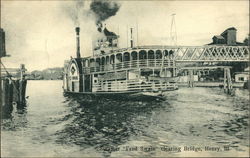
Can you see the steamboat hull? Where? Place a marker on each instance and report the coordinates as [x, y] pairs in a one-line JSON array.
[[121, 96]]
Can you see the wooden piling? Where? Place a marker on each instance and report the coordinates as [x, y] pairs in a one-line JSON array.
[[7, 97], [16, 90], [228, 85], [13, 90], [22, 92], [190, 78]]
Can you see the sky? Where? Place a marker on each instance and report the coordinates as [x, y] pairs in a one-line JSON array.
[[41, 34]]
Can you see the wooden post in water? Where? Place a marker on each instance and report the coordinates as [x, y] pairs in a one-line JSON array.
[[190, 78], [16, 91], [6, 97], [13, 91], [22, 85], [228, 86]]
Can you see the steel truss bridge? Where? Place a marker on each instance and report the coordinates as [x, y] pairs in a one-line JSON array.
[[207, 53]]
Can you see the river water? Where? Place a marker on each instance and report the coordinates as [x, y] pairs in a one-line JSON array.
[[203, 121]]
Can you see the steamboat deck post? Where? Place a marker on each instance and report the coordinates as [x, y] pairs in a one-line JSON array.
[[174, 69]]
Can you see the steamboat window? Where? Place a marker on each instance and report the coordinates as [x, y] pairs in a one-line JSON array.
[[103, 61], [170, 53], [112, 59], [134, 55], [107, 59], [241, 78], [92, 62], [118, 57], [158, 54], [142, 54], [126, 56], [151, 54], [165, 53], [97, 63]]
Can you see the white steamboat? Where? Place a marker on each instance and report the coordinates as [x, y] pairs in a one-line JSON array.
[[135, 71]]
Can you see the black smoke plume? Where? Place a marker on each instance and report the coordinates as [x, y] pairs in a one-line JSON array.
[[103, 9]]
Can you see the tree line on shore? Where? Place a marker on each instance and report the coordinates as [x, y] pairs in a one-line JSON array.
[[47, 74]]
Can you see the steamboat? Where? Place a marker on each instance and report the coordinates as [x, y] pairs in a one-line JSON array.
[[134, 72]]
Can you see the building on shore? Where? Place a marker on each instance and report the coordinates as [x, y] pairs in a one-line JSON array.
[[227, 37], [242, 76]]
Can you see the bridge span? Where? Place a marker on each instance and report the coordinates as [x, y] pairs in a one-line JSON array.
[[206, 53]]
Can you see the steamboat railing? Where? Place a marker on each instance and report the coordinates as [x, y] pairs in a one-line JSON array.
[[134, 64], [132, 85]]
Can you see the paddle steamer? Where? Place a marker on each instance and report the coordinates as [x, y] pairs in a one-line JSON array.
[[137, 71]]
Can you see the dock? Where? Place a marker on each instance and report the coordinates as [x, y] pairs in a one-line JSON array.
[[13, 89]]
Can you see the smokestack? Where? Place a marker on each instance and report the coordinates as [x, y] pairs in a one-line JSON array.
[[78, 55], [131, 38]]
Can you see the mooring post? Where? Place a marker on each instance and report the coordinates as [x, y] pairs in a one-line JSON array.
[[7, 97], [190, 78], [22, 70], [2, 92], [228, 86], [225, 80], [199, 74], [21, 87]]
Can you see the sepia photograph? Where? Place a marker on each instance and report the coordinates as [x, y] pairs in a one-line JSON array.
[[124, 78]]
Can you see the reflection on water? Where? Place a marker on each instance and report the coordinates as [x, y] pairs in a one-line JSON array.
[[11, 122], [55, 125]]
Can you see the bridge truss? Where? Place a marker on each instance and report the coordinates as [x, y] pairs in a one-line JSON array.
[[212, 54], [207, 53]]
